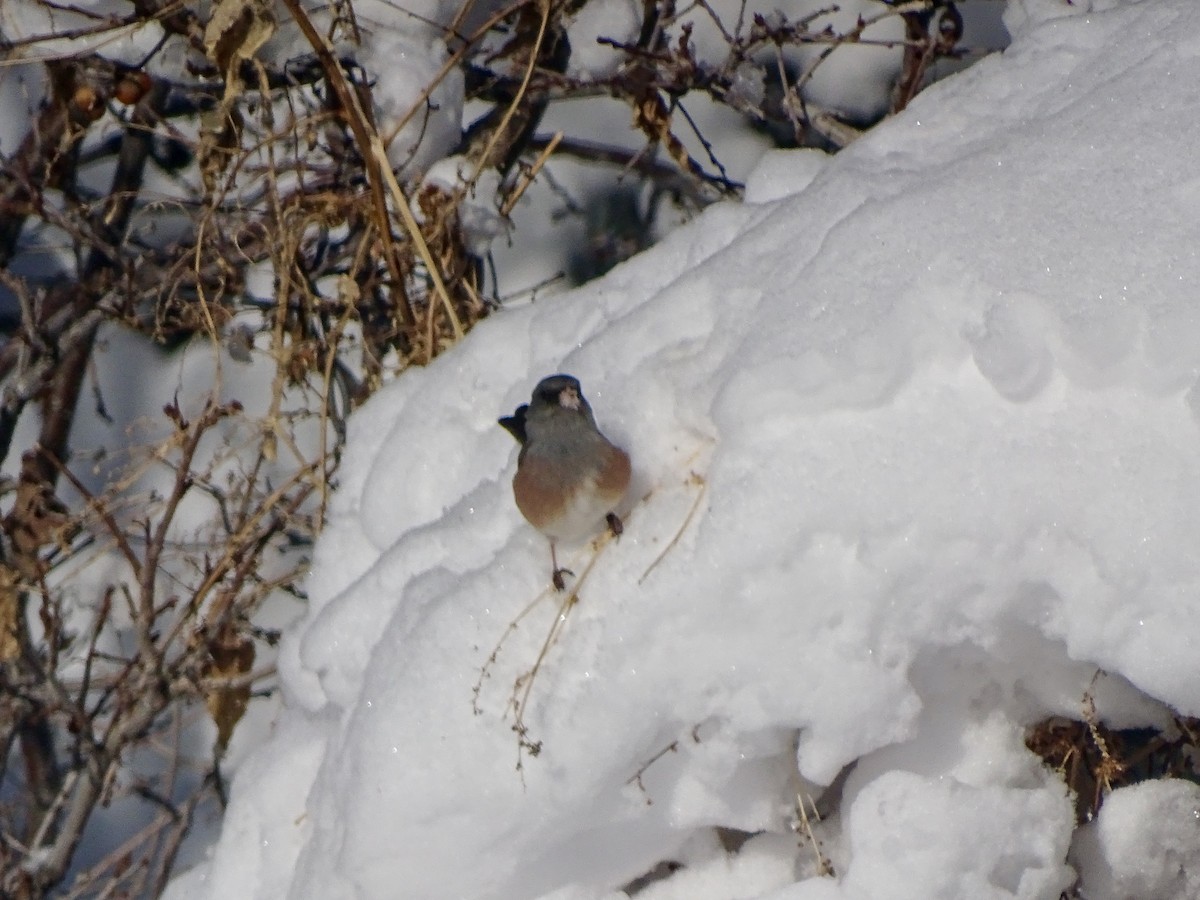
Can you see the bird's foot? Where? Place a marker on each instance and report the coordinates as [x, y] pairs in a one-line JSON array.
[[560, 583]]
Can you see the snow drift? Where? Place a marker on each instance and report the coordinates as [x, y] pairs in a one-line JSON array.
[[934, 403]]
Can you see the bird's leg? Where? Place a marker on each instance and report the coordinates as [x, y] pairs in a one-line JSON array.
[[614, 524], [557, 573]]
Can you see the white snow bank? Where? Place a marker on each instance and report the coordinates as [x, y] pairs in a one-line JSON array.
[[942, 406], [1143, 844]]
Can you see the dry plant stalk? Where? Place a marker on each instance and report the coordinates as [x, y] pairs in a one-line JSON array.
[[803, 825], [523, 684]]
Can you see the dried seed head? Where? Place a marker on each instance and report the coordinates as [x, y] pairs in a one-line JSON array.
[[132, 87], [88, 102]]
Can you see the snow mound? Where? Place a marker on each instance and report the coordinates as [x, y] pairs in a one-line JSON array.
[[936, 412], [1143, 844]]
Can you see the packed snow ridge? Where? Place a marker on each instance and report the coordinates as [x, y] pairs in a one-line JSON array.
[[915, 438]]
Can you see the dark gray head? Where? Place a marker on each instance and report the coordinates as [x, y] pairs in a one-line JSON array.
[[558, 397], [559, 414], [557, 405]]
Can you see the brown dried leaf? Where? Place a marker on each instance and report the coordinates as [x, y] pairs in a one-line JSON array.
[[653, 118], [10, 610], [236, 31], [230, 655], [38, 519]]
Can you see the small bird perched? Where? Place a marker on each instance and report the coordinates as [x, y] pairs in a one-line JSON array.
[[569, 476]]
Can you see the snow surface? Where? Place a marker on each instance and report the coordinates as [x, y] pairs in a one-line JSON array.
[[937, 409], [1112, 853]]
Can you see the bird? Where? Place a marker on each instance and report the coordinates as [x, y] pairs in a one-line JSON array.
[[570, 477]]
